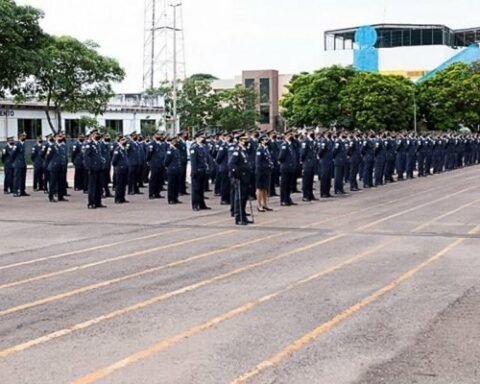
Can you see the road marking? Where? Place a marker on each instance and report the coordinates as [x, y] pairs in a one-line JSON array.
[[309, 337], [106, 283], [167, 343], [96, 248], [110, 260], [420, 227], [372, 224]]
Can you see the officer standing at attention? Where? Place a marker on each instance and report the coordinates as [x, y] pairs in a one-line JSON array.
[[325, 168], [19, 166], [77, 160], [173, 163], [55, 159], [353, 151], [379, 162], [308, 159], [239, 170], [222, 163], [156, 152], [182, 147], [133, 164], [106, 152], [368, 153], [339, 161], [38, 169], [288, 168], [120, 166], [95, 164], [7, 157], [199, 169], [263, 173]]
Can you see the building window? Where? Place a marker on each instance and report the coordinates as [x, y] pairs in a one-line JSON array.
[[264, 114], [264, 90], [116, 125], [249, 83], [32, 127], [73, 128]]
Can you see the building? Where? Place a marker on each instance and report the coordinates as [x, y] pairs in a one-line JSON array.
[[125, 113], [270, 86], [411, 50]]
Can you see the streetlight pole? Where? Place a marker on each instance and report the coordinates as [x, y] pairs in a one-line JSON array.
[[414, 112], [175, 95]]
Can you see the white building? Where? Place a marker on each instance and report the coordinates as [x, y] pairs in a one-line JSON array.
[[125, 113], [404, 49]]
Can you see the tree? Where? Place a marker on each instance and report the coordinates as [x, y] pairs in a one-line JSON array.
[[74, 77], [372, 101], [21, 39], [237, 108], [313, 99], [203, 76], [451, 99]]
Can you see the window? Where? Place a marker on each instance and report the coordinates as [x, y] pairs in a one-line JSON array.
[[249, 83], [427, 37], [437, 37], [417, 37], [264, 114], [116, 125], [32, 127], [397, 38], [264, 90], [73, 128]]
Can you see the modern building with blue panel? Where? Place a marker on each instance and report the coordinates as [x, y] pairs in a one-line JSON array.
[[412, 50]]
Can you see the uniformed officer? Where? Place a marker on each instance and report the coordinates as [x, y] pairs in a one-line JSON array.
[[182, 147], [133, 164], [411, 150], [339, 161], [7, 157], [173, 164], [199, 169], [240, 171], [401, 158], [19, 166], [288, 168], [55, 159], [106, 152], [389, 142], [263, 172], [222, 163], [353, 152], [95, 164], [77, 160], [368, 154], [325, 158], [274, 150], [120, 166], [308, 159], [380, 157], [38, 165], [156, 152]]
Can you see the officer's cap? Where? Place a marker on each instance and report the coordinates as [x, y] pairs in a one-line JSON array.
[[10, 138], [263, 137]]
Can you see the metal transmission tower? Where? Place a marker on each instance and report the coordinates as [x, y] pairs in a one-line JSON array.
[[164, 48]]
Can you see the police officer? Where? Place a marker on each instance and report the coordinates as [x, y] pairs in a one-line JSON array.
[[173, 164], [288, 168], [199, 169], [379, 160], [325, 158], [133, 164], [401, 158], [339, 161], [19, 166], [156, 152], [182, 147], [120, 166], [95, 164], [240, 173], [55, 159], [106, 152], [411, 152], [368, 154], [308, 158], [353, 152], [77, 160], [7, 157], [263, 172], [391, 154], [222, 163], [37, 162]]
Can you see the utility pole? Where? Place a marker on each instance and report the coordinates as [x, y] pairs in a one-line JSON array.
[[175, 91]]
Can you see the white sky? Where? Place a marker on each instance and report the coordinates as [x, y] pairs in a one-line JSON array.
[[224, 37]]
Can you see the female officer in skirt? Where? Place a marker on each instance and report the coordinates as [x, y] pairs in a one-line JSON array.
[[263, 172]]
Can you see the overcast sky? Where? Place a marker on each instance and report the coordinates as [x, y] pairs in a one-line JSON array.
[[223, 37]]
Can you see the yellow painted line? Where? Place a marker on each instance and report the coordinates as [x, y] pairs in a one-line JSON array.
[[99, 247], [323, 328], [168, 343], [420, 227], [106, 283], [372, 224], [111, 260]]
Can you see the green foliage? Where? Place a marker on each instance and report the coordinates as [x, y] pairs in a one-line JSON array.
[[203, 77], [372, 101], [236, 110], [148, 129], [21, 39], [313, 99], [74, 77], [451, 99]]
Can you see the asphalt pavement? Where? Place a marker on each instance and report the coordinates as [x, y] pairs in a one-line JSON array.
[[380, 286]]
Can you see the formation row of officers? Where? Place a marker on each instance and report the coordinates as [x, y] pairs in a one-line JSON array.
[[241, 166]]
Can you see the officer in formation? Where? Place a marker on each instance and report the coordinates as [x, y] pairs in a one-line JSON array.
[[239, 164]]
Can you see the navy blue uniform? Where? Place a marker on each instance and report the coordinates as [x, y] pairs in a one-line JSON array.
[[339, 161], [222, 166], [120, 166], [354, 153], [77, 160], [56, 158], [38, 167], [263, 167], [288, 169], [199, 169], [7, 153], [240, 173], [308, 158], [411, 150], [95, 164], [156, 152], [174, 166], [19, 166], [133, 149], [379, 161], [325, 156], [368, 154]]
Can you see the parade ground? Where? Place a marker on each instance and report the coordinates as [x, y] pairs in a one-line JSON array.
[[379, 286]]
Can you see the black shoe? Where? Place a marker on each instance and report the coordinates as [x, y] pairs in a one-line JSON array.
[[205, 208], [196, 209], [125, 201], [24, 194], [16, 195], [306, 200], [67, 195], [241, 223], [52, 200], [314, 199], [91, 206], [285, 204], [172, 203], [292, 203], [62, 199], [159, 197], [178, 202], [101, 206]]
